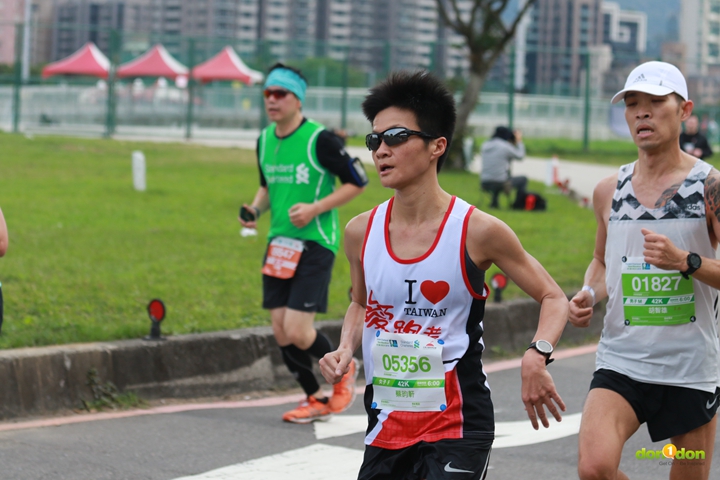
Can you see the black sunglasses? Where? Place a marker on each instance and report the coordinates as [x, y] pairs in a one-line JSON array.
[[392, 136], [278, 94]]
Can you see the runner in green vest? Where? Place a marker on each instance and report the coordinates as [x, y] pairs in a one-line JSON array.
[[299, 161]]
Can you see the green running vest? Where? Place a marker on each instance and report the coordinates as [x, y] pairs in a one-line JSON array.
[[294, 175]]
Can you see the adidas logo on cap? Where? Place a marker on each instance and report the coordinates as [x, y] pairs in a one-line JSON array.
[[654, 78]]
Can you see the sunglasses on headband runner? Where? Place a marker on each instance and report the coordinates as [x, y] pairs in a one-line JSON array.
[[392, 136], [277, 94]]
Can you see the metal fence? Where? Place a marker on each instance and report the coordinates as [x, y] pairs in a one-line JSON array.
[[577, 108], [162, 111]]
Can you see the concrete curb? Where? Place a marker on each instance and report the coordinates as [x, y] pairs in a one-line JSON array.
[[41, 380]]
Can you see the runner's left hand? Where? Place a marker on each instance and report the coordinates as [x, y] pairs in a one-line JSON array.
[[302, 213], [538, 390]]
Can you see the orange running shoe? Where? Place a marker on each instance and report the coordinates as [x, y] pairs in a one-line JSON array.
[[308, 411], [344, 390]]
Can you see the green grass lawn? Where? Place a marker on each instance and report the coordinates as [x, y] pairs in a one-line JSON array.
[[87, 252]]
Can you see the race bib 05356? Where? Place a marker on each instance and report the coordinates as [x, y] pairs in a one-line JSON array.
[[408, 373]]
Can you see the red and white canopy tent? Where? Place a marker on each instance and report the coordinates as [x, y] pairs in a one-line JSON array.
[[88, 60], [156, 62], [226, 65]]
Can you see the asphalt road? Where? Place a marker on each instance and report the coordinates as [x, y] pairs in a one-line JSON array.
[[247, 440]]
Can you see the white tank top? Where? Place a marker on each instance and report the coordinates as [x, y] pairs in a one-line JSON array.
[[430, 295], [684, 354]]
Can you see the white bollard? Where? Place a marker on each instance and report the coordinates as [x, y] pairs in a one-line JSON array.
[[138, 170], [549, 173], [552, 171]]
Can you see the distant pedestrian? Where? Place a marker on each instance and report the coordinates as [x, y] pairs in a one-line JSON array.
[[694, 142], [497, 155], [299, 163]]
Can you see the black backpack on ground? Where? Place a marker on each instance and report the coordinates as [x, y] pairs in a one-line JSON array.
[[531, 201]]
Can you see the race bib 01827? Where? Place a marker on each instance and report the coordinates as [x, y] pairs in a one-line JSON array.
[[655, 297]]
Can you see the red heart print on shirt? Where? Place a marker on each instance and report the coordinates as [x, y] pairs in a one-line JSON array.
[[434, 291]]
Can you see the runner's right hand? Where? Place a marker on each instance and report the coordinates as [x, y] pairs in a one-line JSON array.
[[247, 224], [580, 309], [335, 364]]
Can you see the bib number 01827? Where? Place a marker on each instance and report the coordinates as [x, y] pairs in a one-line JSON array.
[[656, 284], [404, 363]]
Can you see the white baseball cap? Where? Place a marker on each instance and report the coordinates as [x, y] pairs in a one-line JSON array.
[[655, 78]]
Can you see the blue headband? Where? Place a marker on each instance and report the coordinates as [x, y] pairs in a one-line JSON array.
[[285, 78]]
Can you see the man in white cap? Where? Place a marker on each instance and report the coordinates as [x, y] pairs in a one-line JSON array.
[[299, 163], [658, 229]]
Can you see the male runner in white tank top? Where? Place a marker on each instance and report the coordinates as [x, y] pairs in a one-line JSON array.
[[657, 361], [417, 266]]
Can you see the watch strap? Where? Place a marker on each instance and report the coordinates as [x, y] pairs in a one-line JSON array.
[[690, 270], [548, 360]]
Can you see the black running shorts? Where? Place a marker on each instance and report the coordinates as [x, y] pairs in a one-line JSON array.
[[307, 291], [461, 459], [668, 410]]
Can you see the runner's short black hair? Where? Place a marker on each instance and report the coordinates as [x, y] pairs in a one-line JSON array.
[[421, 93]]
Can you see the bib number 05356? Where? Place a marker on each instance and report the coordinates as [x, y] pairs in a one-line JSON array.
[[404, 363]]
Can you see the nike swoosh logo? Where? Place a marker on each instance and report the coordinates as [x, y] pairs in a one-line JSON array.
[[709, 405], [308, 305], [450, 469]]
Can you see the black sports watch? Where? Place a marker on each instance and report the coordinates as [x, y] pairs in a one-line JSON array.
[[694, 262], [545, 348]]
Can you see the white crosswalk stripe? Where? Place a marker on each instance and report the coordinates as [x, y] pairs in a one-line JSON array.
[[326, 462], [315, 462]]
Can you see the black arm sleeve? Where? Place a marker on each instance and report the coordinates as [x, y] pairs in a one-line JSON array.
[[332, 155], [263, 182]]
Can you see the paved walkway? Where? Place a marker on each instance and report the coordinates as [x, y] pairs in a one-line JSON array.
[[581, 177]]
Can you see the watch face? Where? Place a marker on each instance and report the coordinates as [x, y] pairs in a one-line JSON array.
[[694, 260], [544, 346]]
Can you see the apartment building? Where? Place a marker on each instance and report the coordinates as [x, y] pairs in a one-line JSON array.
[[12, 13], [560, 34], [374, 35], [79, 21], [700, 32]]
